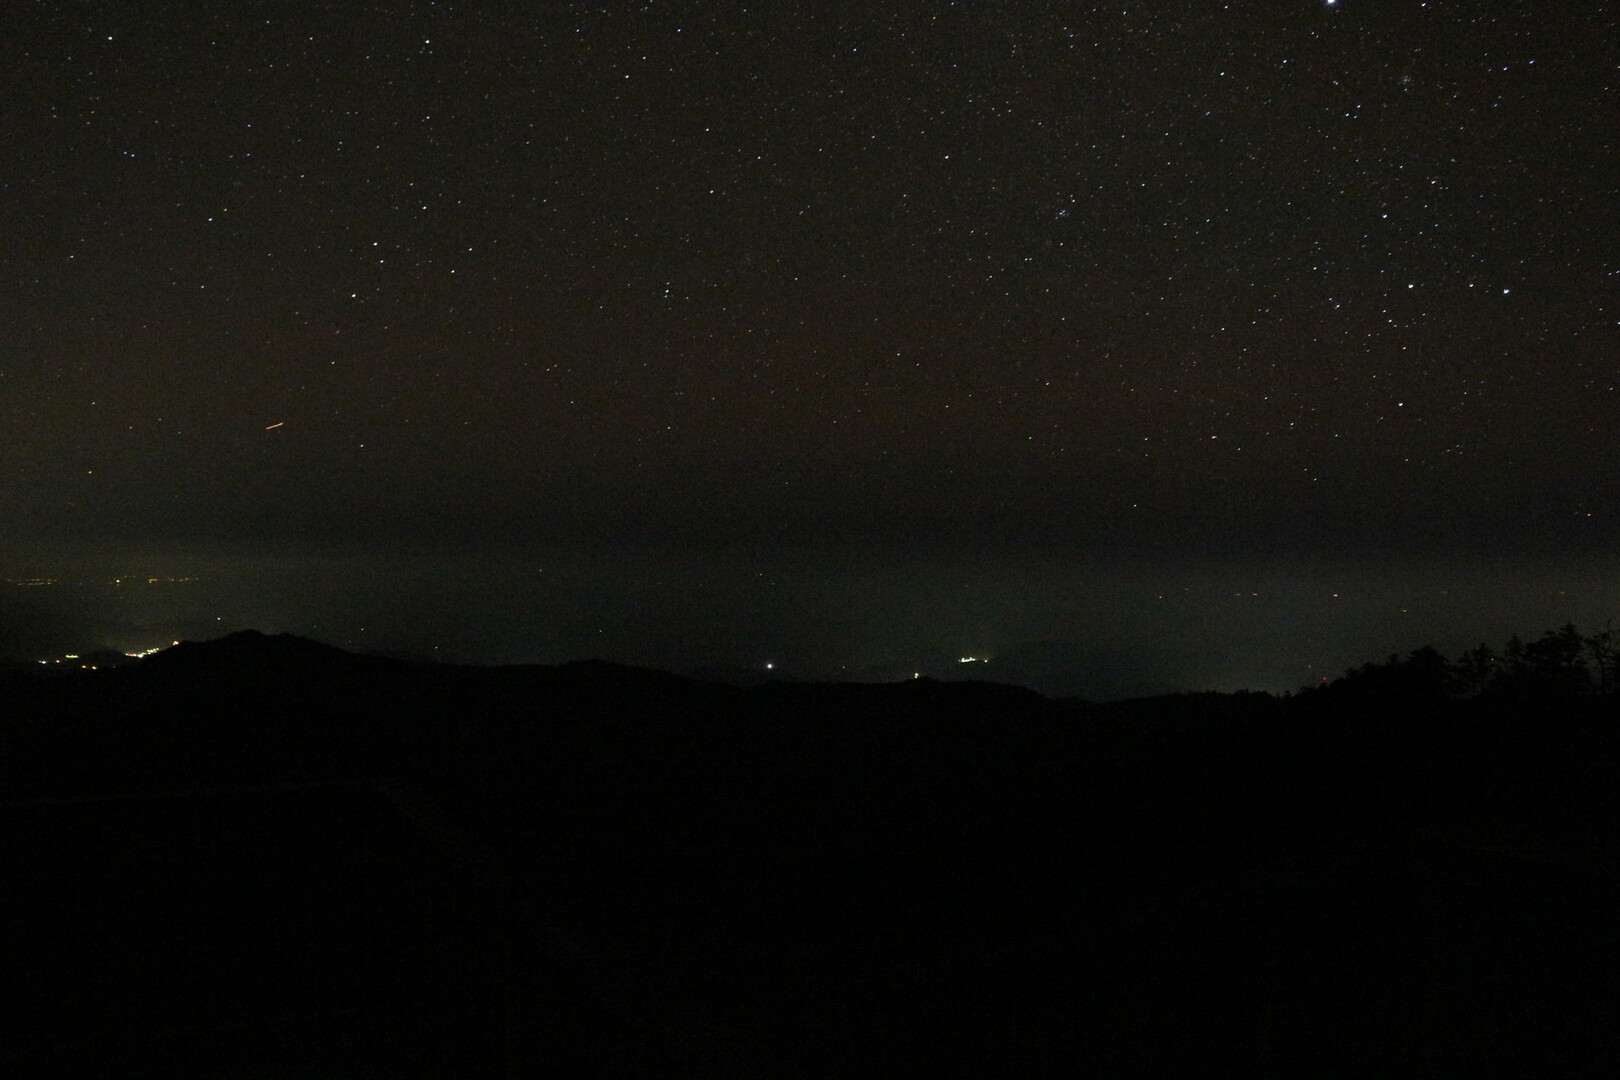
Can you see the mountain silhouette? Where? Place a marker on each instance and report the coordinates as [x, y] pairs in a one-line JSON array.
[[265, 851]]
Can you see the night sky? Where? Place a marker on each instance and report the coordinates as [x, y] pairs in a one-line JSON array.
[[1150, 345]]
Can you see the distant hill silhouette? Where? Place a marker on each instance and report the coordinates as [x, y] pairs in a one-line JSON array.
[[265, 852]]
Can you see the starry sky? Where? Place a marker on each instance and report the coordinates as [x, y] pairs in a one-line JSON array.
[[1180, 345]]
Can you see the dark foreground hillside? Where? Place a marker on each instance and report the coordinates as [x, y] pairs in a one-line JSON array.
[[263, 857]]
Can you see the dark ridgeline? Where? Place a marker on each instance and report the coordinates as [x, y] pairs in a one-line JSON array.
[[263, 856]]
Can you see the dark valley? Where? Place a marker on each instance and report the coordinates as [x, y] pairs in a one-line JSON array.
[[265, 856]]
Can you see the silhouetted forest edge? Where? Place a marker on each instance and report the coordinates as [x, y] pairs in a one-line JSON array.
[[263, 848]]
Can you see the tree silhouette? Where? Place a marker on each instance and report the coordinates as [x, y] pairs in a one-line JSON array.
[[1471, 674], [1605, 658], [1561, 664], [1554, 665], [1422, 676]]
